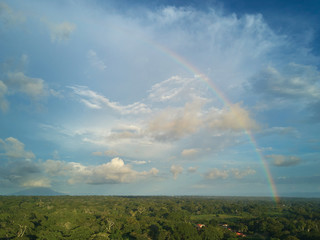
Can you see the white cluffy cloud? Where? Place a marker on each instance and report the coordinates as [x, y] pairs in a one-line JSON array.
[[233, 118], [42, 182], [32, 87], [176, 170], [174, 123], [13, 148], [115, 171]]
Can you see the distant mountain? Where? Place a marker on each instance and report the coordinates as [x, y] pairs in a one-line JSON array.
[[38, 191]]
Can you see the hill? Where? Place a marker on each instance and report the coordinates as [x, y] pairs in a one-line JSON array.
[[38, 191]]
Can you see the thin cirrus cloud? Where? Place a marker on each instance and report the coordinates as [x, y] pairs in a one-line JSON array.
[[94, 100], [95, 61]]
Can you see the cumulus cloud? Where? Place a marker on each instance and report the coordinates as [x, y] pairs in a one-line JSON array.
[[95, 61], [19, 82], [42, 182], [175, 123], [296, 81], [216, 173], [13, 148], [19, 171], [115, 171], [242, 173], [234, 118], [283, 160], [96, 101], [176, 170], [62, 31]]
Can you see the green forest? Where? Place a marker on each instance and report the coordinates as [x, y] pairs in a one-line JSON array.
[[115, 217]]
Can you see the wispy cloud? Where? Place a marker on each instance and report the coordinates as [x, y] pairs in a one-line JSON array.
[[96, 101], [283, 160], [61, 32], [294, 81], [4, 104], [95, 61], [8, 16]]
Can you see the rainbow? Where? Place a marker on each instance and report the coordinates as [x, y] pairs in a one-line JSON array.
[[192, 69]]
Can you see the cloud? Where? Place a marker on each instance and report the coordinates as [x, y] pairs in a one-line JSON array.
[[177, 88], [175, 123], [96, 101], [43, 182], [224, 174], [296, 81], [192, 169], [19, 82], [126, 132], [99, 154], [62, 31], [241, 174], [283, 160], [13, 148], [9, 16], [137, 162], [111, 153], [19, 171], [4, 104], [216, 173], [115, 171], [95, 61], [189, 152], [176, 170], [234, 118]]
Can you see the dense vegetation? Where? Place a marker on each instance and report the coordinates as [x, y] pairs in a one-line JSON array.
[[101, 217]]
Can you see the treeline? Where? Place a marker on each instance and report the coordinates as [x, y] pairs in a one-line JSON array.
[[106, 217]]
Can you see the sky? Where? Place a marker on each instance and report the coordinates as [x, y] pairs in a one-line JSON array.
[[216, 98]]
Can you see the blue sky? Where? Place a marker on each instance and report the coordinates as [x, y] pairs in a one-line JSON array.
[[160, 97]]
